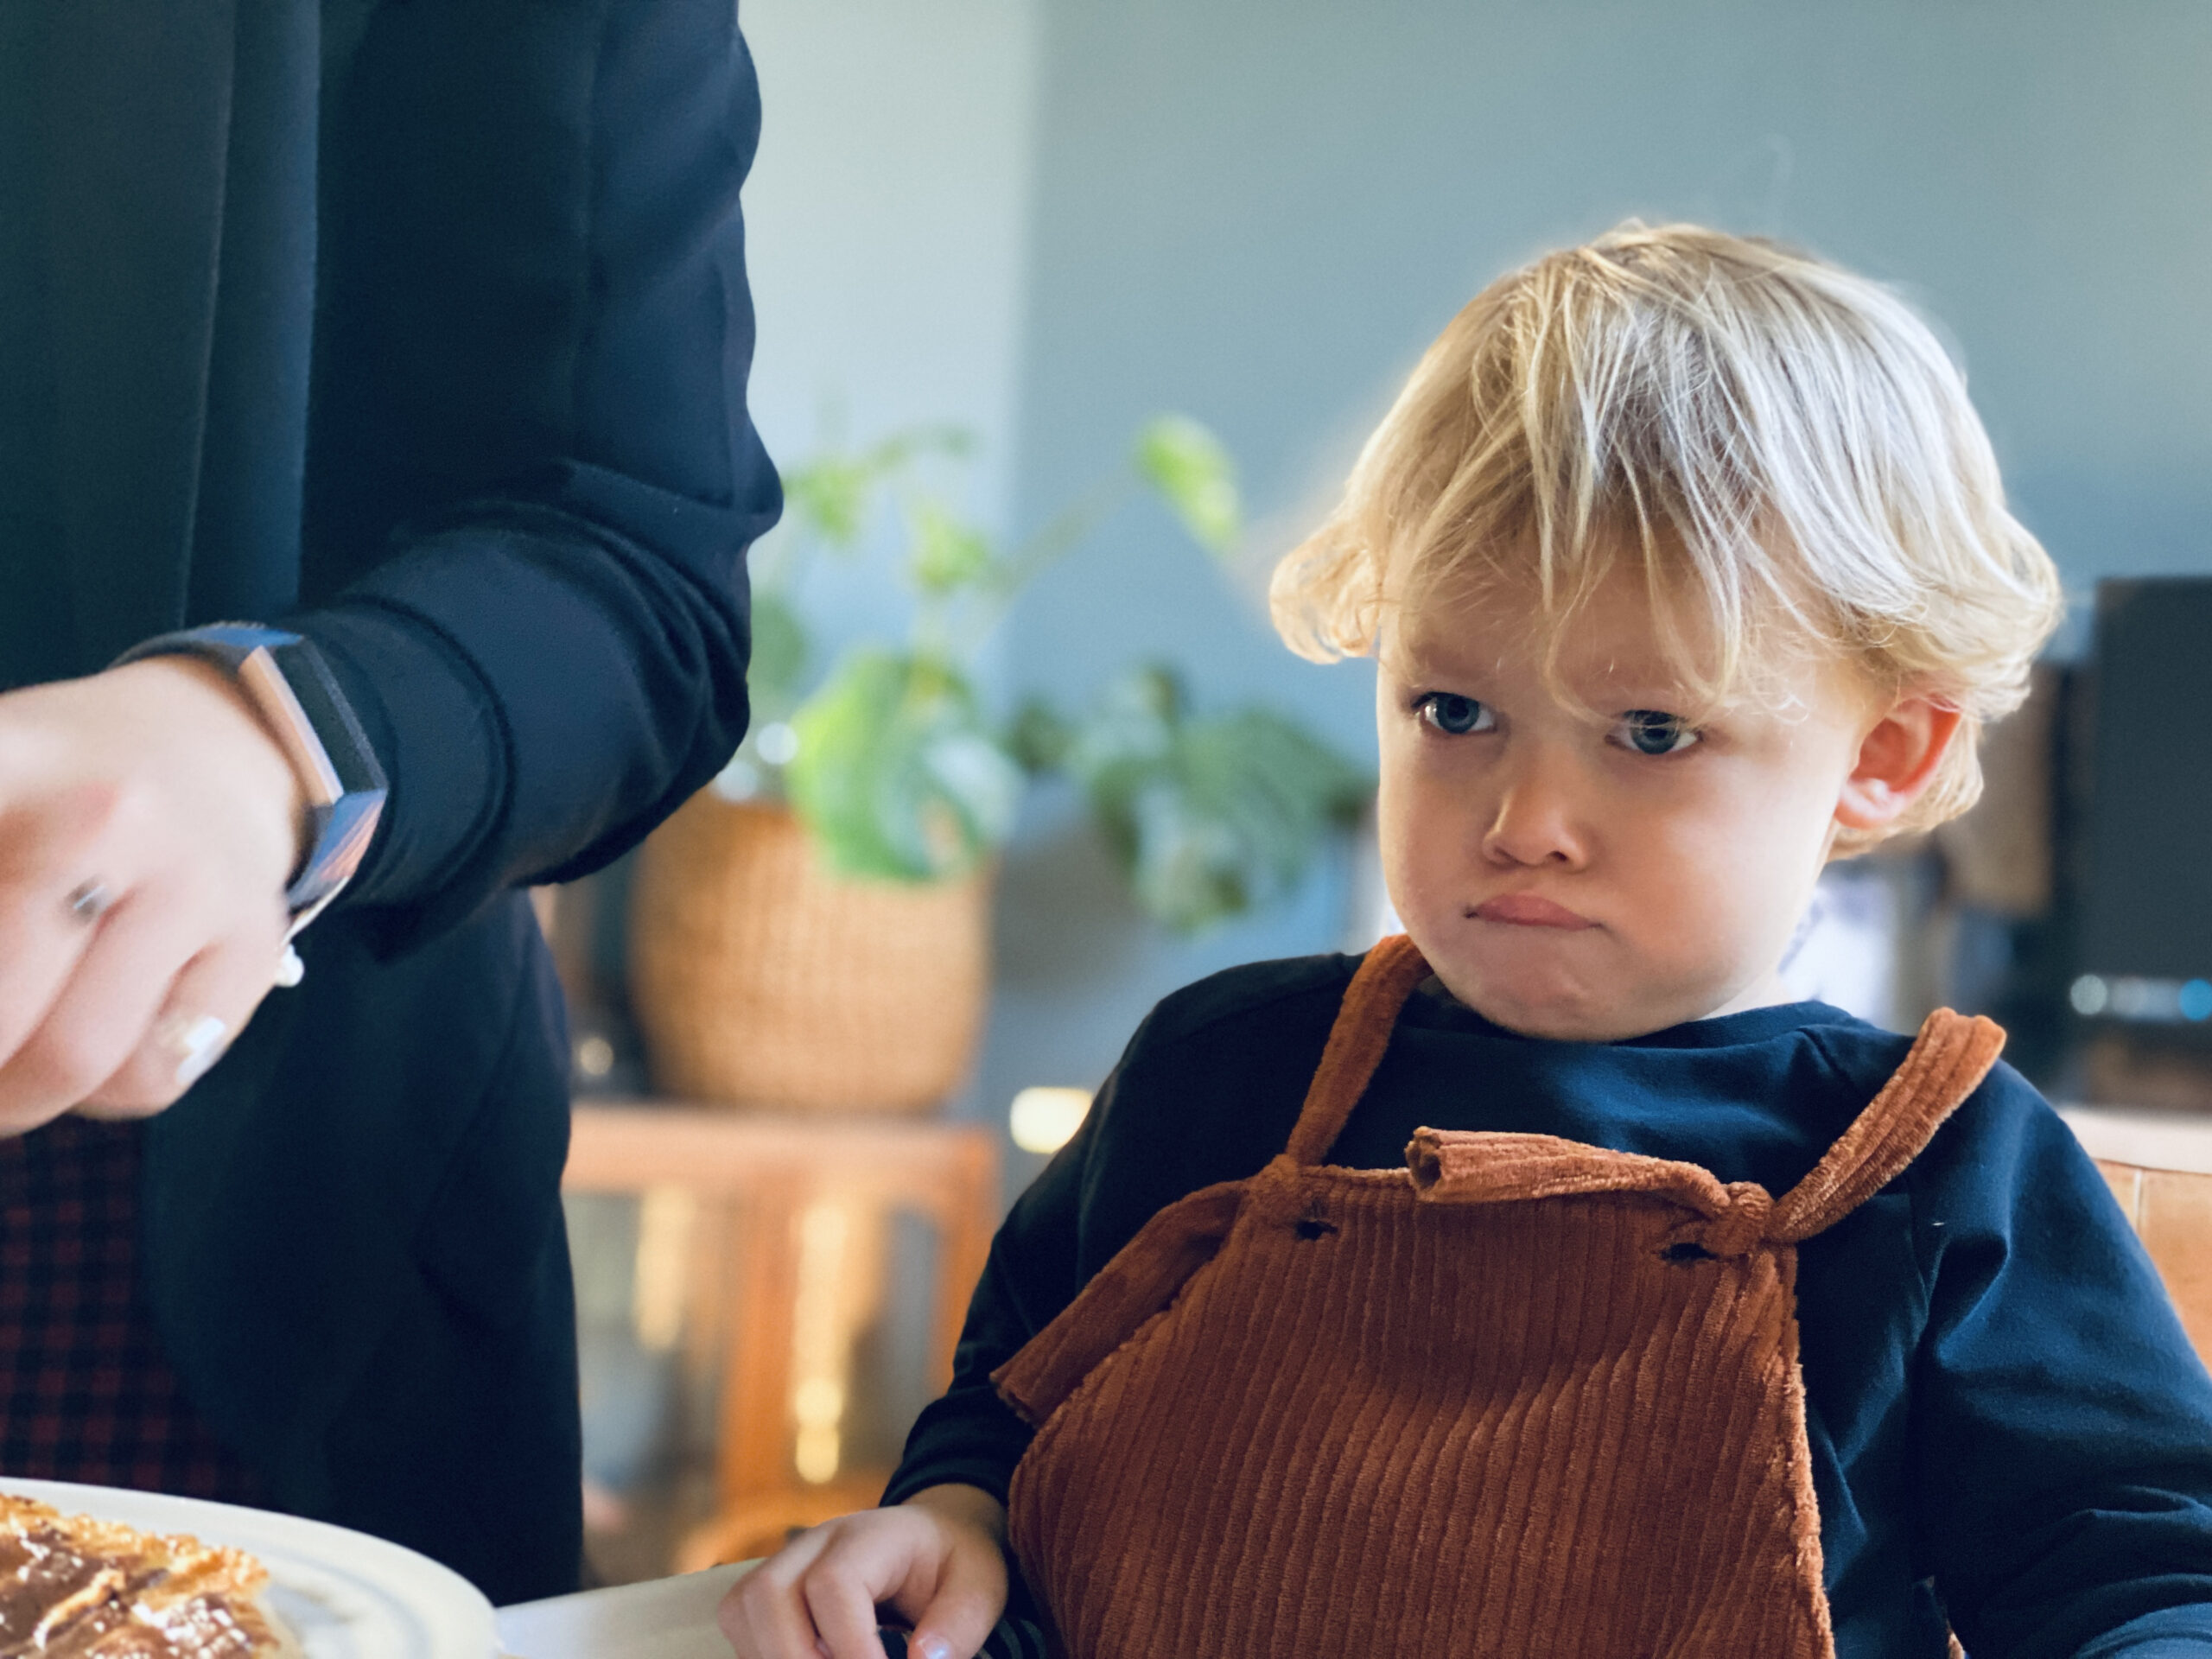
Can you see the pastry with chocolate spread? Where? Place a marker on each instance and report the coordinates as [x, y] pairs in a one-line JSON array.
[[79, 1588]]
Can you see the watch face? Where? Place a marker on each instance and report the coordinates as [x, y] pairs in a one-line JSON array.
[[271, 692]]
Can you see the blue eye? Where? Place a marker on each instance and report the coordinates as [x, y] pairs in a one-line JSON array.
[[1650, 731], [1455, 715]]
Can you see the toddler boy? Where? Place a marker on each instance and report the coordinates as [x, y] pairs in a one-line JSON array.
[[1685, 566]]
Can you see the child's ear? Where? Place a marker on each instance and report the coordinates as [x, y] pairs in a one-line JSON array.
[[1897, 762]]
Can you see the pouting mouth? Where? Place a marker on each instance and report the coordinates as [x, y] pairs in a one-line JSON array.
[[1527, 910]]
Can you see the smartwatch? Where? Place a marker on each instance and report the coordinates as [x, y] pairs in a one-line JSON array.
[[293, 690]]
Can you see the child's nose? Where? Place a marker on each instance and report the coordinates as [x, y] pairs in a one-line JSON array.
[[1534, 822]]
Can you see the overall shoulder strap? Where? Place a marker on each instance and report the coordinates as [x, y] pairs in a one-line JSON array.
[[1146, 1275], [1362, 1032], [1947, 1063]]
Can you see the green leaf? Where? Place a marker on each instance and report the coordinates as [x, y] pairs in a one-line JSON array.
[[1210, 818], [781, 650], [1039, 738], [1194, 475], [948, 554], [829, 496], [1133, 725], [897, 776], [911, 443], [832, 496]]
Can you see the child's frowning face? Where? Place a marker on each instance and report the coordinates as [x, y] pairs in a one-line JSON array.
[[1599, 873]]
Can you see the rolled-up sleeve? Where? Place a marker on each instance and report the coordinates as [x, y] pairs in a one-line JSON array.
[[532, 479]]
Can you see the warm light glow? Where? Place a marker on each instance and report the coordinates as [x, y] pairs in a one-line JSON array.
[[595, 1057], [820, 1351], [816, 1453], [660, 1286], [1043, 1119]]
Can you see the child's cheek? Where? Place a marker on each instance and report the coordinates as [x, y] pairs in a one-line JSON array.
[[1731, 881], [1429, 843]]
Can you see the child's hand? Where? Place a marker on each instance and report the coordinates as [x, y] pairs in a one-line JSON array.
[[939, 1559]]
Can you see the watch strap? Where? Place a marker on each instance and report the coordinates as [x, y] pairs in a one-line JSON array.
[[299, 700]]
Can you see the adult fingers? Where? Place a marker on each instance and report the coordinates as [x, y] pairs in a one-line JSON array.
[[102, 1013], [41, 942], [176, 1052], [208, 1004], [61, 871]]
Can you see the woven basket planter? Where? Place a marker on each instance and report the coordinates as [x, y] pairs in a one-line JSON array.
[[761, 979]]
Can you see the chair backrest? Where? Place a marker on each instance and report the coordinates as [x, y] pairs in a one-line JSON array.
[[2172, 1213], [2159, 1166]]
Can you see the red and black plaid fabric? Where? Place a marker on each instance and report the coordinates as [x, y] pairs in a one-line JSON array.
[[85, 1391]]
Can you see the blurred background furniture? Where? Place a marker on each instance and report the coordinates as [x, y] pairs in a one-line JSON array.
[[2141, 789], [2159, 1164], [765, 1238]]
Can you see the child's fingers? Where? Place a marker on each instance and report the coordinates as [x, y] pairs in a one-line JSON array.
[[949, 1580], [842, 1608], [764, 1616], [762, 1625], [952, 1632], [818, 1597], [971, 1595]]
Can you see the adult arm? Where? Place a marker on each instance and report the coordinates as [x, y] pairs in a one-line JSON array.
[[531, 487], [532, 479], [2062, 1420]]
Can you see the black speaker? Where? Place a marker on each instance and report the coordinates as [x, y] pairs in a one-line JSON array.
[[2144, 947]]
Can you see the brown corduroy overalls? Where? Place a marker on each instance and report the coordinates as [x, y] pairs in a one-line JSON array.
[[1528, 1397]]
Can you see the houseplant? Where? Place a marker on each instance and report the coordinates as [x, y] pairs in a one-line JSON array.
[[812, 932]]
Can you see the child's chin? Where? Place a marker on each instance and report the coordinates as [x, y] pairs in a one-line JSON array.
[[1562, 1013], [1562, 1025], [1565, 1015], [1570, 988]]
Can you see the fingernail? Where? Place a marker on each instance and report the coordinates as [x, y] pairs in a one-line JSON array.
[[937, 1648], [197, 1043]]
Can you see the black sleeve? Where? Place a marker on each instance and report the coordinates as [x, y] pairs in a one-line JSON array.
[[531, 476], [2062, 1420], [1206, 1092], [968, 1434]]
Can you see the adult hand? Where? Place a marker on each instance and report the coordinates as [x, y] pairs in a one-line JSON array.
[[938, 1559], [149, 823]]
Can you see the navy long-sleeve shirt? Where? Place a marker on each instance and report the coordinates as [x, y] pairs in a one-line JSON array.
[[2009, 1429]]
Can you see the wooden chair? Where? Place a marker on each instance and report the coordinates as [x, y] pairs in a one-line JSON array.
[[2159, 1166], [779, 1198]]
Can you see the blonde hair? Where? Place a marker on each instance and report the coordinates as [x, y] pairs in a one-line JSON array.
[[1780, 448]]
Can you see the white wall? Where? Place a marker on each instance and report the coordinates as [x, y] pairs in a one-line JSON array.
[[886, 226]]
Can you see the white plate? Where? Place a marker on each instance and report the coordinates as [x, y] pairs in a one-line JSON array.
[[343, 1594]]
